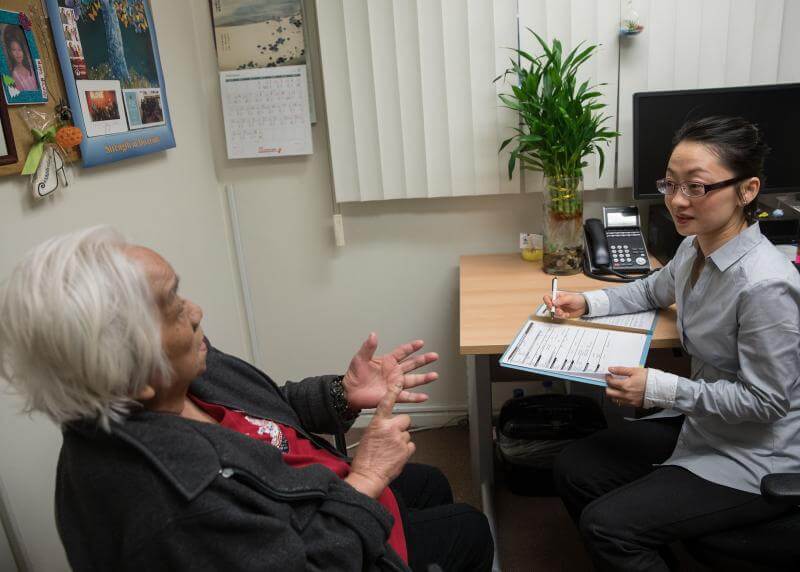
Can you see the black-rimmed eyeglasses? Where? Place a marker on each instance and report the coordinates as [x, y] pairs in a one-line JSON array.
[[693, 190]]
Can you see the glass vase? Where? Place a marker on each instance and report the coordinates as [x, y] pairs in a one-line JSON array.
[[563, 225]]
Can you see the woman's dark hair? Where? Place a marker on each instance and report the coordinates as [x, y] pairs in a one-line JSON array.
[[15, 34], [738, 143]]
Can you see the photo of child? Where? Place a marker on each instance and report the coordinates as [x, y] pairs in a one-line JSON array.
[[18, 55]]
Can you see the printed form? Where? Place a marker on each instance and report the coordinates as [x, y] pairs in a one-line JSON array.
[[574, 352], [644, 321]]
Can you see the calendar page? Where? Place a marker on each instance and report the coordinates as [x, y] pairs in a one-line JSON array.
[[266, 112]]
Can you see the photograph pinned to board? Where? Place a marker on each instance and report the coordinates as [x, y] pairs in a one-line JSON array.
[[8, 150], [265, 112], [252, 34], [21, 67], [109, 57], [101, 105], [144, 108]]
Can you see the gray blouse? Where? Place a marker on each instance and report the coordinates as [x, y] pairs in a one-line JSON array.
[[741, 325]]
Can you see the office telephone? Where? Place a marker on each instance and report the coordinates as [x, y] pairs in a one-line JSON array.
[[615, 246]]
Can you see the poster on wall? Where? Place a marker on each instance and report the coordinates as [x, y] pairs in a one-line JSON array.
[[253, 34], [112, 71]]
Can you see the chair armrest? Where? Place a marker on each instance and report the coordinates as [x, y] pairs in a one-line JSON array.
[[781, 488]]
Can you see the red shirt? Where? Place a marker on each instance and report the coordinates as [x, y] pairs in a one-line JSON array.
[[301, 452]]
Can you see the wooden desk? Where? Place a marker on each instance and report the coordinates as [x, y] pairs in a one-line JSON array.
[[497, 294]]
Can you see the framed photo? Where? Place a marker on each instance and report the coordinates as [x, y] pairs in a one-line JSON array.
[[102, 107], [21, 67], [8, 152], [112, 73]]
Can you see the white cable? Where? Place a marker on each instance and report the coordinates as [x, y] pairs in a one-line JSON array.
[[247, 299]]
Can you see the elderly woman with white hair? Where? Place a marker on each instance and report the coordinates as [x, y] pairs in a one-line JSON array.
[[178, 456]]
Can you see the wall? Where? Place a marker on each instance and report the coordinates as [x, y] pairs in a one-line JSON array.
[[397, 275], [170, 201], [6, 557]]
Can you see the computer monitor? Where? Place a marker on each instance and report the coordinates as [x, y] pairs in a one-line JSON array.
[[657, 115]]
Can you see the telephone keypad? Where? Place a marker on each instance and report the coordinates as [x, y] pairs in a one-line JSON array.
[[627, 249]]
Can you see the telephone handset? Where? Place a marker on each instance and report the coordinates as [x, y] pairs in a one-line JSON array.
[[615, 246]]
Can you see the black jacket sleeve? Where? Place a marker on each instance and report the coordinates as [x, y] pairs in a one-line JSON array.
[[311, 400]]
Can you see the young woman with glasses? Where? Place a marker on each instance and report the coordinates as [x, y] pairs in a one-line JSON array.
[[696, 467]]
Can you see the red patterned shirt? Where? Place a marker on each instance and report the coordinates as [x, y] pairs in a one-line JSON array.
[[301, 452]]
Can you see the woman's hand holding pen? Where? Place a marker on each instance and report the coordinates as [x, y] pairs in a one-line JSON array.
[[567, 304], [626, 385]]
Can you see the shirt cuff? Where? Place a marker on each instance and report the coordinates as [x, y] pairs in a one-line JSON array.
[[597, 303], [660, 389]]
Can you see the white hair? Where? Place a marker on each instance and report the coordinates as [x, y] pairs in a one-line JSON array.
[[80, 334]]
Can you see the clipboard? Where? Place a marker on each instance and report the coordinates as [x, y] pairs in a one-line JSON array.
[[578, 349]]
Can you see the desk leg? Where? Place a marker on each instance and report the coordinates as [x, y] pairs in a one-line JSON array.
[[481, 446]]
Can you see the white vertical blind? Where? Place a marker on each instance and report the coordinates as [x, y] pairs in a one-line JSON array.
[[573, 22], [412, 110], [690, 44]]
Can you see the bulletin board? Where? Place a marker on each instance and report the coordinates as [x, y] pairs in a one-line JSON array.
[[52, 76], [114, 81]]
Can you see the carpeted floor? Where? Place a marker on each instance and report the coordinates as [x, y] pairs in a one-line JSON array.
[[534, 533]]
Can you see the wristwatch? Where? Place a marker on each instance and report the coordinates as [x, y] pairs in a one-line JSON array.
[[339, 399]]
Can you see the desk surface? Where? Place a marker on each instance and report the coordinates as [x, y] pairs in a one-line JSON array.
[[499, 291]]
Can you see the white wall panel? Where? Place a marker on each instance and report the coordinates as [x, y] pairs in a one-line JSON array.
[[704, 44], [458, 88], [789, 60], [480, 16], [338, 100], [767, 40], [506, 30], [362, 95], [387, 101], [416, 110], [409, 89]]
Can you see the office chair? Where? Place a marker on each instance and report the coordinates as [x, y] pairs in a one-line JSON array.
[[771, 546]]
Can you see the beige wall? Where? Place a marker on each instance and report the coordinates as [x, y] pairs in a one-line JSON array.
[[170, 201]]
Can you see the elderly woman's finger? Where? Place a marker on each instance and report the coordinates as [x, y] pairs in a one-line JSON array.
[[415, 379], [410, 397], [412, 363], [402, 351]]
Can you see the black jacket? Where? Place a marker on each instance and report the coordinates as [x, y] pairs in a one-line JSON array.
[[161, 492]]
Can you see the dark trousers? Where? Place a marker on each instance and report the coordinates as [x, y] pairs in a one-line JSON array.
[[454, 536], [628, 511]]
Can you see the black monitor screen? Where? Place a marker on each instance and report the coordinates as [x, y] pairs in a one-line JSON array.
[[774, 108]]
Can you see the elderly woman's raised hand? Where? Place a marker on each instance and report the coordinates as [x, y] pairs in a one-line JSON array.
[[384, 449], [369, 377]]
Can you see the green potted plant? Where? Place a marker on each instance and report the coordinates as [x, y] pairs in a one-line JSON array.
[[560, 125]]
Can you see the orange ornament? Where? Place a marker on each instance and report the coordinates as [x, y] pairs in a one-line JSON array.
[[69, 136]]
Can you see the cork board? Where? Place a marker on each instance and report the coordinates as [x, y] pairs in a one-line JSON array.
[[52, 77]]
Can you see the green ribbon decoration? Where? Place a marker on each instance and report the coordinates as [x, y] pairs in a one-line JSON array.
[[35, 154]]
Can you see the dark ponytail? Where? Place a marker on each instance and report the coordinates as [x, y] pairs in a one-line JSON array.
[[738, 143]]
